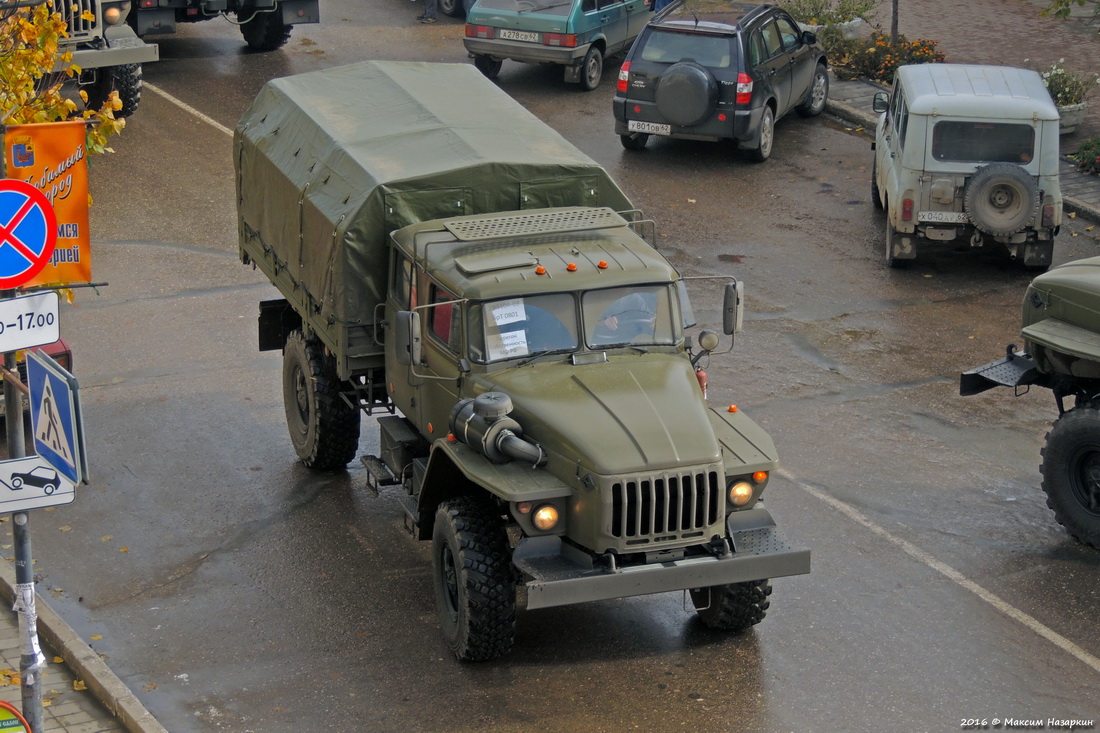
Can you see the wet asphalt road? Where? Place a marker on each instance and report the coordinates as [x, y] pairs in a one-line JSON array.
[[234, 590]]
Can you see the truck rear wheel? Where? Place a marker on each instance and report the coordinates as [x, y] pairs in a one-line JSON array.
[[732, 607], [324, 428], [1071, 473], [474, 590], [125, 79], [266, 31]]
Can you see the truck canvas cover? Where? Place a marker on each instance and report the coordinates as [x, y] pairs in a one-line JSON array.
[[329, 163]]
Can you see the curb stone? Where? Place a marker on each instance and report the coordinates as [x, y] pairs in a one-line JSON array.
[[104, 684]]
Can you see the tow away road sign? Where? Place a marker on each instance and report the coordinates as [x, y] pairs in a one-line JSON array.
[[56, 419], [29, 483]]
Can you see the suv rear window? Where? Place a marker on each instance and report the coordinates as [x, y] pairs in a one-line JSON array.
[[976, 142], [668, 47]]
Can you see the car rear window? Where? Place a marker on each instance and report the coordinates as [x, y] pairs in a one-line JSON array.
[[669, 47], [975, 142], [542, 7]]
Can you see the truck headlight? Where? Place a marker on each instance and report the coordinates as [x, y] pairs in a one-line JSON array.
[[740, 493], [115, 13], [545, 517]]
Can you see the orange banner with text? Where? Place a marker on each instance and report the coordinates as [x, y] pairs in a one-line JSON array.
[[53, 157]]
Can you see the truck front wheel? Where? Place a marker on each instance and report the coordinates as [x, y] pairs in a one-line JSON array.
[[324, 428], [125, 79], [474, 589], [1071, 473], [266, 31], [732, 607]]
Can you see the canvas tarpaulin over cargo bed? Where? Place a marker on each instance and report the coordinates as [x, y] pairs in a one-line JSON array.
[[330, 162]]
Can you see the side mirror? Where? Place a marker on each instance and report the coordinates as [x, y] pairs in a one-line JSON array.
[[880, 102], [407, 337], [733, 307], [809, 38]]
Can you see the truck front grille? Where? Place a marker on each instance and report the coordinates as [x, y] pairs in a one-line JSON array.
[[74, 12], [665, 506]]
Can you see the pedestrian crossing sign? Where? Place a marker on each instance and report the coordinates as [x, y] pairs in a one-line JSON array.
[[56, 419]]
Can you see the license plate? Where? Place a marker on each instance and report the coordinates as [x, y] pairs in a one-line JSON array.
[[653, 128], [943, 217], [510, 35]]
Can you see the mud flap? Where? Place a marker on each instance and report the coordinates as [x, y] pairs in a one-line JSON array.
[[1039, 254]]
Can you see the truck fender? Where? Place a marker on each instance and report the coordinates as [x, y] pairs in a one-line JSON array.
[[455, 469]]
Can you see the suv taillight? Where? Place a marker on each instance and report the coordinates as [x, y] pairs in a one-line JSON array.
[[744, 89], [624, 76], [479, 31], [1048, 215], [907, 209]]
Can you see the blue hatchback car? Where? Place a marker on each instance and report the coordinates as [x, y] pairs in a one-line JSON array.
[[577, 34]]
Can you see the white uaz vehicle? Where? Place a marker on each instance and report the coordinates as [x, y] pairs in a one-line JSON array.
[[967, 154]]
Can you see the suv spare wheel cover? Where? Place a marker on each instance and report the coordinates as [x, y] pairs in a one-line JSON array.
[[686, 94], [1001, 198]]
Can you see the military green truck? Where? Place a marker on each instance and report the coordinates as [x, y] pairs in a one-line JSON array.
[[1061, 352], [106, 49], [455, 268], [265, 24]]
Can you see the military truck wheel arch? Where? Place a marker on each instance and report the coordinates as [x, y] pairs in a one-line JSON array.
[[1071, 473], [265, 31], [324, 427], [1001, 198], [474, 587]]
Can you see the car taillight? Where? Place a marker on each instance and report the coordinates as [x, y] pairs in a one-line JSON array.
[[568, 40], [479, 31], [624, 76], [907, 209], [1048, 215], [744, 89]]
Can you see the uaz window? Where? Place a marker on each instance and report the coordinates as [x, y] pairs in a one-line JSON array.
[[979, 142]]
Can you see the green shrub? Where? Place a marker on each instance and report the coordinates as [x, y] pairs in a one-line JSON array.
[[1088, 156], [877, 58], [827, 12]]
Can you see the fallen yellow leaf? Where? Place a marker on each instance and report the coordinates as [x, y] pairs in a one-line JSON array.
[[79, 685], [1072, 215], [66, 528], [107, 538], [96, 637], [124, 549], [59, 660], [691, 201]]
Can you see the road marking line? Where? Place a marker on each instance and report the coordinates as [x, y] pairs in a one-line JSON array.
[[949, 572], [188, 108]]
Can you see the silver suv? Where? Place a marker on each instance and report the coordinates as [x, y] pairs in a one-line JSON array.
[[967, 154]]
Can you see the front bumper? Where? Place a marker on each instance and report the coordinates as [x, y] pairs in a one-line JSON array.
[[122, 47], [530, 53], [560, 575]]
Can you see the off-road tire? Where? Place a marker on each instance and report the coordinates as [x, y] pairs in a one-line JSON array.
[[1071, 473], [125, 79], [266, 31], [686, 94], [876, 195], [634, 140], [732, 607], [474, 586], [817, 95], [1001, 198], [488, 65], [592, 69], [766, 136], [324, 428]]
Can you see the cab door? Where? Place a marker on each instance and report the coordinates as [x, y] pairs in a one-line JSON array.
[[441, 348]]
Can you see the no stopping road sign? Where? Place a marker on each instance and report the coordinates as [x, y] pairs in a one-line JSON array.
[[28, 232]]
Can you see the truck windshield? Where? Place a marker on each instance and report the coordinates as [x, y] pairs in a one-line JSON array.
[[636, 315], [517, 327]]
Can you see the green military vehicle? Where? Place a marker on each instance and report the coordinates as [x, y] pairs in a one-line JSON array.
[[457, 269], [1061, 335]]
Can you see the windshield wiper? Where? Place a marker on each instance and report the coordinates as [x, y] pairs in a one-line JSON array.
[[530, 358]]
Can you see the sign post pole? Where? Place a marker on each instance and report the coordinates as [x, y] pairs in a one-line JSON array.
[[30, 659]]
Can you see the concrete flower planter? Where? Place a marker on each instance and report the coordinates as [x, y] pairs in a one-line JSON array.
[[1072, 116]]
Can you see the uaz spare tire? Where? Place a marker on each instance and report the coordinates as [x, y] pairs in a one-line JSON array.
[[1001, 198], [686, 94]]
